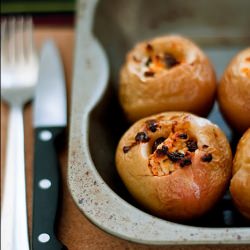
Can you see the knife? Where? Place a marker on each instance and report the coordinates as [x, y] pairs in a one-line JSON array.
[[49, 120]]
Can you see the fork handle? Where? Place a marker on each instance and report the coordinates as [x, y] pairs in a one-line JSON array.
[[14, 228], [46, 190]]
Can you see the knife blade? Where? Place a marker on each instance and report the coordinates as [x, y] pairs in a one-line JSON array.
[[49, 120]]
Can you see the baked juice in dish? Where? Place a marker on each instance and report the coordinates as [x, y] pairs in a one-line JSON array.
[[168, 73], [234, 92], [240, 183], [177, 165]]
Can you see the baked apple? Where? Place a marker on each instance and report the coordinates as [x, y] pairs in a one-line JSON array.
[[240, 183], [175, 164], [168, 73], [234, 92]]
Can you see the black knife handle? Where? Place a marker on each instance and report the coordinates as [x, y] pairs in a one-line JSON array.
[[45, 190]]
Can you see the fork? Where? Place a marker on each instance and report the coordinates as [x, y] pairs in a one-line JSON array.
[[19, 70]]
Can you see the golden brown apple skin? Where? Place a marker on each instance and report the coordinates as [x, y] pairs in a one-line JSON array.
[[240, 183], [234, 92], [184, 192], [188, 86]]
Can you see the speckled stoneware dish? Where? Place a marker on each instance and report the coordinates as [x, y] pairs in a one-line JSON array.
[[97, 121]]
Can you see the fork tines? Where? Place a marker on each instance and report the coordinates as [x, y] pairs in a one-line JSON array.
[[16, 33]]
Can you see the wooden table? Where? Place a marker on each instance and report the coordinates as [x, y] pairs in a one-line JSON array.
[[74, 229]]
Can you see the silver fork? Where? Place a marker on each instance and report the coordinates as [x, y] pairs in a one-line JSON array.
[[19, 69]]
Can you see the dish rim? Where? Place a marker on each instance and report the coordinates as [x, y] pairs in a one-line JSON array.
[[98, 202]]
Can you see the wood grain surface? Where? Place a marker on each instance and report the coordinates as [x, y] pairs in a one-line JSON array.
[[73, 228]]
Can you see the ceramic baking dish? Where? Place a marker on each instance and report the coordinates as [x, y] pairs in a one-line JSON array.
[[97, 121]]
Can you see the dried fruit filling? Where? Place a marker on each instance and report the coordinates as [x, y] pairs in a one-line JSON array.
[[172, 153], [158, 62], [154, 62], [167, 154]]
